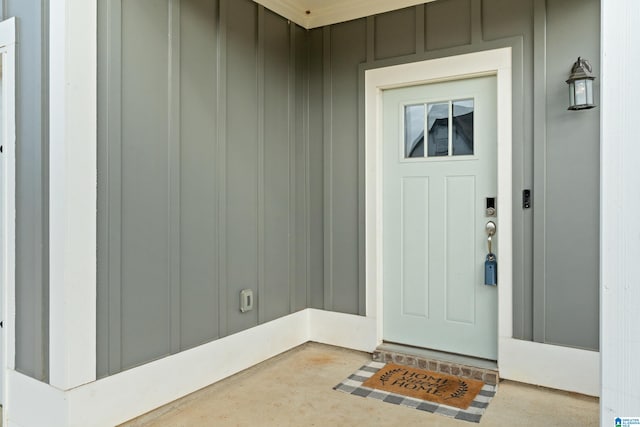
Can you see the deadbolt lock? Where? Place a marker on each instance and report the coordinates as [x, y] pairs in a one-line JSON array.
[[490, 207]]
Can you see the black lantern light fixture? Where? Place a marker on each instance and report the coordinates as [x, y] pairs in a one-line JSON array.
[[581, 86]]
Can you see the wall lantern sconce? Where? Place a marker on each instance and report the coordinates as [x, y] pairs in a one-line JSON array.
[[581, 86]]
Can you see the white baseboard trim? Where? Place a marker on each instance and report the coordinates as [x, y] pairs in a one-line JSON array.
[[121, 397], [553, 366], [343, 330], [34, 403]]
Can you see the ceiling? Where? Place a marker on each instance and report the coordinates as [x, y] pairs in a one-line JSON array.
[[316, 13]]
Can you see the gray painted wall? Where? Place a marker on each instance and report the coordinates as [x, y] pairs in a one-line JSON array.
[[231, 155], [555, 152], [32, 282], [202, 183], [569, 275]]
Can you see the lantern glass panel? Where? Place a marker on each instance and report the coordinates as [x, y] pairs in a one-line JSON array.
[[589, 91], [581, 92], [572, 94]]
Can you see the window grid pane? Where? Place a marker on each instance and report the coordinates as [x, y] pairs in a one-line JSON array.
[[462, 127], [438, 129], [414, 130]]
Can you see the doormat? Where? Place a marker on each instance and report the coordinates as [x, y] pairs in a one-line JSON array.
[[358, 385], [425, 385]]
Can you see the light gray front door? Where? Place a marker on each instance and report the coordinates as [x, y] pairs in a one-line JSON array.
[[439, 168]]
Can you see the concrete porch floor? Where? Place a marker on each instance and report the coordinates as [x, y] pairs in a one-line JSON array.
[[295, 389]]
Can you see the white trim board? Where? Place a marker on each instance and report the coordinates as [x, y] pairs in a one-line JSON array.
[[72, 191], [116, 399], [7, 228], [619, 205], [562, 368], [342, 330]]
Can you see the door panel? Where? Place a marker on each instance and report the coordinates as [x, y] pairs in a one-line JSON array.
[[439, 165], [460, 249], [415, 238]]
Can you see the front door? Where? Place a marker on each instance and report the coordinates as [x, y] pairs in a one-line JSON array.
[[439, 168]]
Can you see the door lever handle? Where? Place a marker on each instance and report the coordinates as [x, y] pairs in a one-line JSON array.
[[491, 230]]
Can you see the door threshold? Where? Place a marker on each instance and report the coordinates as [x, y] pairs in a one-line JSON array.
[[438, 361]]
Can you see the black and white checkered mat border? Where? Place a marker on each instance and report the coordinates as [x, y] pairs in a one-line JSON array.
[[353, 385]]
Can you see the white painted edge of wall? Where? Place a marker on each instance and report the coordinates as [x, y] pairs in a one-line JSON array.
[[333, 12], [72, 192], [562, 368], [619, 206], [8, 248]]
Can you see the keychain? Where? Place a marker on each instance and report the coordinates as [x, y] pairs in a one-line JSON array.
[[491, 270]]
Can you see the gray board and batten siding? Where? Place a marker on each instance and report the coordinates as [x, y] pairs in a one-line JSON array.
[[231, 156], [32, 189], [555, 151], [202, 181]]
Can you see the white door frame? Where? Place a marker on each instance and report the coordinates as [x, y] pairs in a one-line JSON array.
[[8, 160], [530, 362], [491, 62]]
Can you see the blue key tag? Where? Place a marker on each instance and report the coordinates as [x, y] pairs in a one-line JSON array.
[[491, 270]]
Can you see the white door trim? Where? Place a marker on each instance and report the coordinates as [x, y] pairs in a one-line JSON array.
[[7, 244], [491, 62]]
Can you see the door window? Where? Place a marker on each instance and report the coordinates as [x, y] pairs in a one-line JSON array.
[[448, 126]]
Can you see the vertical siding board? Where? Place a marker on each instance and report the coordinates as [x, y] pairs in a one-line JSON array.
[[221, 167], [32, 305], [300, 120], [262, 305], [371, 38], [292, 163], [540, 180], [115, 193], [241, 160], [524, 153], [504, 19], [316, 170], [343, 168], [572, 217], [102, 308], [145, 291], [173, 166], [198, 203], [327, 143], [109, 213]]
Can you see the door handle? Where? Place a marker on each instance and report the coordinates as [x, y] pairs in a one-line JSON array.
[[491, 230]]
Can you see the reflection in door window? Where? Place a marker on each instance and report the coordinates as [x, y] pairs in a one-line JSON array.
[[438, 125], [462, 130], [414, 130]]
